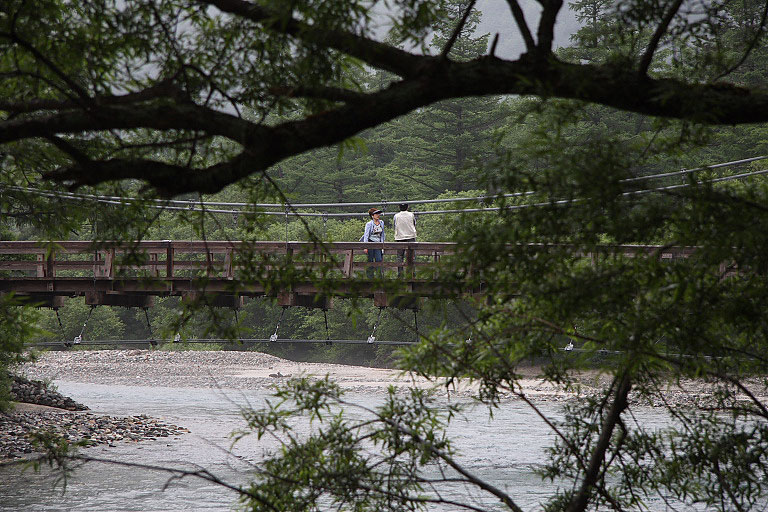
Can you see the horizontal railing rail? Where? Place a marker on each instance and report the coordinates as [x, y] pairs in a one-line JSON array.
[[165, 258], [215, 258]]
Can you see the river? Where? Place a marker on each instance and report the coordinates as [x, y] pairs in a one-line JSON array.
[[505, 451]]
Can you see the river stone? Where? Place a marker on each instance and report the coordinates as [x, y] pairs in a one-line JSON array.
[[36, 392]]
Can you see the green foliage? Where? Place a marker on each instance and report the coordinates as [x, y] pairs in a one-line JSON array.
[[17, 326], [638, 319], [371, 463], [96, 323]]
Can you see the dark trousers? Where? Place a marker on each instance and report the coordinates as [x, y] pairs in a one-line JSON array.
[[401, 255], [374, 255]]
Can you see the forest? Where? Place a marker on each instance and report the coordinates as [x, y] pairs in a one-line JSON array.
[[453, 148]]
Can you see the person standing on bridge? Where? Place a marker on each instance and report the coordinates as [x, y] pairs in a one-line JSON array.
[[405, 231], [374, 232]]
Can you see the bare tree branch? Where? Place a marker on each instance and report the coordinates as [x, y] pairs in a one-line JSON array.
[[169, 143], [77, 155], [546, 31], [337, 94], [179, 474], [265, 145], [519, 16], [376, 54], [165, 88], [580, 500], [494, 43], [160, 117], [645, 61], [168, 179]]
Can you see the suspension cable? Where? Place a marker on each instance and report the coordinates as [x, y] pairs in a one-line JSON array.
[[237, 324], [114, 342], [372, 337], [277, 326], [62, 334], [152, 340], [190, 205], [79, 338], [327, 332]]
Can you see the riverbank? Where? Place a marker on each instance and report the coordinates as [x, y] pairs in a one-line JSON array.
[[259, 371], [38, 408]]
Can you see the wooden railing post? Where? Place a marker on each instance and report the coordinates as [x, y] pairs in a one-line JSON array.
[[104, 267], [208, 263], [349, 263], [229, 271], [410, 259], [45, 265], [49, 265], [109, 263], [153, 264], [169, 260]]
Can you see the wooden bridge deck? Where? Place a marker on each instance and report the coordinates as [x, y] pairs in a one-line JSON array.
[[131, 274]]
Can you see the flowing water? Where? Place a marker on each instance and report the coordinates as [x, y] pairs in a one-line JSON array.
[[505, 451]]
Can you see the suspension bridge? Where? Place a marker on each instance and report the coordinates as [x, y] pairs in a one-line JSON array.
[[225, 273], [220, 274]]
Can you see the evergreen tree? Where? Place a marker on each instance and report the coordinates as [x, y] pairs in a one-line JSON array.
[[444, 138]]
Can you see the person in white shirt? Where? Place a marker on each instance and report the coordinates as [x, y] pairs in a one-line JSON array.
[[405, 231]]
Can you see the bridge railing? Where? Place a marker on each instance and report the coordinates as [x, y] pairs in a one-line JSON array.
[[214, 259], [224, 272]]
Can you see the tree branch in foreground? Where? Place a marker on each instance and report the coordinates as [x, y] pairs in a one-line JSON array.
[[619, 404]]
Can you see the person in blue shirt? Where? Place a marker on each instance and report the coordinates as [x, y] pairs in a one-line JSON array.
[[374, 232]]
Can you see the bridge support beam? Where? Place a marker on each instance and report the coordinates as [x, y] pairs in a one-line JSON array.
[[405, 302], [216, 300], [119, 299], [42, 300], [306, 300], [382, 300]]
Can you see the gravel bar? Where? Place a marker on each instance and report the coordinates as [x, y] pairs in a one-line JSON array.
[[17, 425], [157, 368]]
